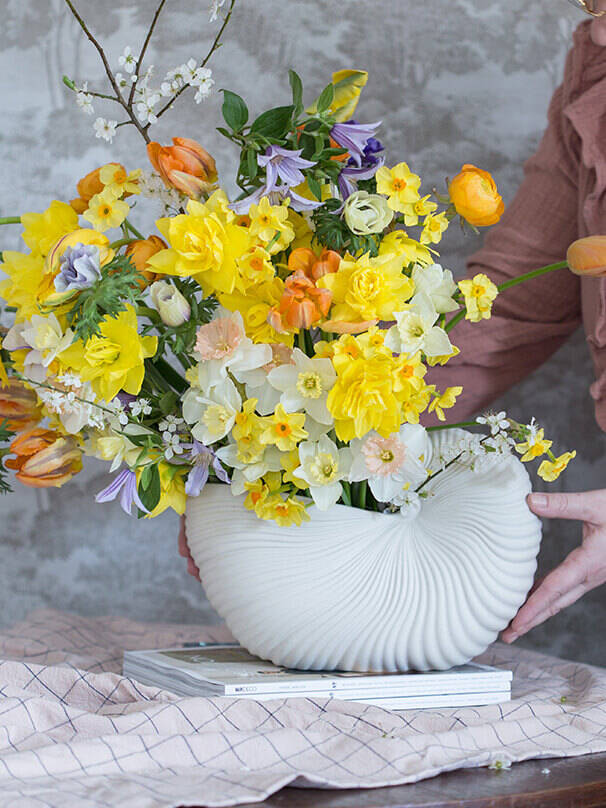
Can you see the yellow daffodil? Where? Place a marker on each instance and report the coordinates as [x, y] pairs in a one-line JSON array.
[[408, 250], [42, 230], [254, 267], [400, 186], [254, 306], [551, 470], [415, 405], [442, 360], [534, 446], [366, 288], [3, 375], [247, 431], [105, 211], [114, 177], [112, 361], [271, 225], [283, 429], [22, 287], [204, 244], [408, 375], [444, 401], [372, 342], [421, 208], [363, 398], [479, 293], [433, 228], [172, 490], [291, 461], [284, 512]]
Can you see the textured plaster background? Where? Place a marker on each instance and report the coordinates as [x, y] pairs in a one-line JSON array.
[[464, 80]]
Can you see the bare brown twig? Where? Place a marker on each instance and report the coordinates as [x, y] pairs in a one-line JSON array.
[[144, 48]]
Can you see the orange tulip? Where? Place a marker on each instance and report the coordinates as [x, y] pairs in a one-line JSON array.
[[185, 166], [587, 256], [474, 194], [44, 459], [305, 260], [18, 405], [141, 251], [302, 304]]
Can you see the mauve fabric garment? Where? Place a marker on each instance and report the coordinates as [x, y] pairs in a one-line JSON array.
[[562, 198]]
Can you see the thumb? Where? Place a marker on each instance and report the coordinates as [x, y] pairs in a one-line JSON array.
[[581, 506]]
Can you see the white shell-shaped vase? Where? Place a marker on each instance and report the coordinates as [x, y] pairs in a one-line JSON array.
[[365, 591]]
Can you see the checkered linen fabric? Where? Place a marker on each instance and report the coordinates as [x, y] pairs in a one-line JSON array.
[[74, 733]]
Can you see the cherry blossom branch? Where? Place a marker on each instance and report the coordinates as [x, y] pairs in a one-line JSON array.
[[144, 49], [216, 44]]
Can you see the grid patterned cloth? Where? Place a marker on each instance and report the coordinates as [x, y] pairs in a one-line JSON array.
[[74, 733]]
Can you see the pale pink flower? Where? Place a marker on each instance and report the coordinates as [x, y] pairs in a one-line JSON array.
[[384, 456], [220, 338], [280, 355]]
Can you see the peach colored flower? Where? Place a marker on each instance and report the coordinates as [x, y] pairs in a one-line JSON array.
[[383, 456], [141, 251], [219, 338], [44, 459], [305, 260], [302, 304], [587, 256], [18, 405]]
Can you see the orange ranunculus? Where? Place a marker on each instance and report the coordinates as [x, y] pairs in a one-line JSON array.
[[305, 260], [338, 157], [587, 256], [474, 194], [141, 251], [44, 459], [302, 304], [88, 187], [18, 405], [185, 166]]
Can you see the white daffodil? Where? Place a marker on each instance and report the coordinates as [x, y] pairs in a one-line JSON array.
[[323, 466], [224, 343], [391, 465], [44, 338], [255, 381], [305, 385], [415, 330], [438, 284], [213, 412], [244, 473]]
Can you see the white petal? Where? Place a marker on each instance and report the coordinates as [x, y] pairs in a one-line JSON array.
[[436, 342], [325, 496]]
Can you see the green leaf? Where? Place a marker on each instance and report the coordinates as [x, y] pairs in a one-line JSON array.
[[150, 496], [326, 98], [296, 86], [235, 111], [168, 403], [314, 187], [273, 123]]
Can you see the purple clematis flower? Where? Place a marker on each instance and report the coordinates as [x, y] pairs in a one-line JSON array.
[[354, 137], [80, 268], [125, 482], [282, 165], [202, 458]]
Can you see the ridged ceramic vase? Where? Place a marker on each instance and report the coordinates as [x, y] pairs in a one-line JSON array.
[[364, 591]]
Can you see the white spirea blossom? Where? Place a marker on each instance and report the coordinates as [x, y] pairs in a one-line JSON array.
[[105, 129], [170, 424], [85, 101], [128, 60], [214, 9], [497, 422], [140, 407]]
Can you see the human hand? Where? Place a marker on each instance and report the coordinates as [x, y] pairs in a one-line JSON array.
[[583, 569], [184, 551]]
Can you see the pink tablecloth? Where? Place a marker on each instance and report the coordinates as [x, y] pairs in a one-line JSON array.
[[76, 734]]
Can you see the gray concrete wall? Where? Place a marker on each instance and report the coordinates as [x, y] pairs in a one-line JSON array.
[[463, 80]]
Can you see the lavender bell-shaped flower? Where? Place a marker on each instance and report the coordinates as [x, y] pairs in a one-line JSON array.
[[80, 268], [354, 137], [125, 482], [202, 458]]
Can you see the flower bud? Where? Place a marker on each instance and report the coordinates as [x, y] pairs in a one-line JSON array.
[[44, 459], [367, 213], [185, 166], [474, 194], [587, 256], [141, 251], [172, 306], [18, 405]]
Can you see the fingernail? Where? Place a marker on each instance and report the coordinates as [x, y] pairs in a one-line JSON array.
[[538, 500]]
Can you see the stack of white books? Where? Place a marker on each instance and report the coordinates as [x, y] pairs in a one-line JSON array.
[[209, 669]]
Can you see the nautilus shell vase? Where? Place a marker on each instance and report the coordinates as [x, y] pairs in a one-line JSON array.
[[365, 591]]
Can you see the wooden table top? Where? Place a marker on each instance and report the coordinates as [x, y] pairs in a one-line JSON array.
[[551, 783]]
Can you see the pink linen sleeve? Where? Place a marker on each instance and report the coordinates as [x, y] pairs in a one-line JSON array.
[[534, 319]]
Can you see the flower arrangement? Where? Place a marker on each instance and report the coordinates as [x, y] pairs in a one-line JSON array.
[[278, 342]]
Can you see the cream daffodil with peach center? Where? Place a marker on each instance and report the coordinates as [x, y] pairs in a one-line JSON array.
[[305, 385]]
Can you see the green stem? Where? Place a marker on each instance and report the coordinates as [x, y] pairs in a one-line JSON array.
[[346, 495], [120, 243], [527, 276], [460, 425], [170, 375], [10, 220], [134, 230], [362, 494]]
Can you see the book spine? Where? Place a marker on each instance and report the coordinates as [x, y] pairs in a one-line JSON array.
[[328, 686]]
